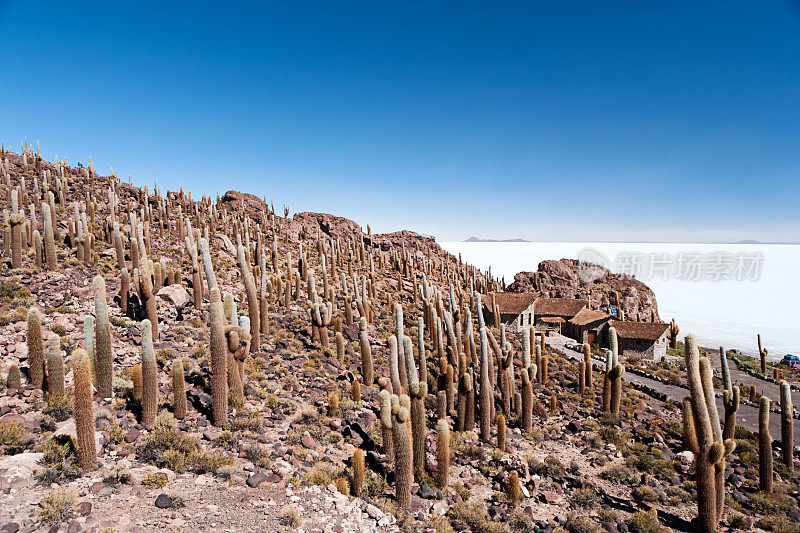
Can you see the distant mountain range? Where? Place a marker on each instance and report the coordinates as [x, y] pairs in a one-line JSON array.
[[476, 239]]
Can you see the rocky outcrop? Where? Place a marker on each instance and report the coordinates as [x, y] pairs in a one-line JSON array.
[[565, 279]]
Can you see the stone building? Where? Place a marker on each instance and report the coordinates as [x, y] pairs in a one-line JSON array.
[[589, 325], [551, 314], [516, 308], [646, 339]]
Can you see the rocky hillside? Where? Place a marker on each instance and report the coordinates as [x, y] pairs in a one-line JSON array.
[[179, 364], [562, 279]]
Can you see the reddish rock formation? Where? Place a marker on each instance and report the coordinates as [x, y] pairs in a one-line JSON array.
[[562, 279]]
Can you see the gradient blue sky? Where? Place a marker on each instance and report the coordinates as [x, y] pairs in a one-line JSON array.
[[541, 120]]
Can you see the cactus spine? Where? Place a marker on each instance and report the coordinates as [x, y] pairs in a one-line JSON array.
[[442, 453], [149, 376], [104, 358], [84, 410], [787, 429], [764, 446], [178, 389], [35, 348]]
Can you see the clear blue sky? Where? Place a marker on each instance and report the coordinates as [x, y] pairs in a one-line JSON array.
[[541, 120]]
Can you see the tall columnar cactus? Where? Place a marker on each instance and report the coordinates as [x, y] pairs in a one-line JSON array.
[[513, 490], [527, 399], [237, 340], [486, 395], [104, 358], [588, 376], [403, 472], [35, 348], [730, 398], [16, 220], [149, 376], [359, 471], [219, 358], [178, 389], [340, 347], [673, 334], [119, 249], [762, 352], [703, 436], [764, 446], [51, 260], [442, 453], [146, 280], [787, 429], [253, 309], [124, 289], [417, 391], [582, 378], [84, 410], [386, 424], [55, 366], [367, 369], [501, 432]]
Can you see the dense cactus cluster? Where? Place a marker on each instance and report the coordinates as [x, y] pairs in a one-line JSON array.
[[410, 343]]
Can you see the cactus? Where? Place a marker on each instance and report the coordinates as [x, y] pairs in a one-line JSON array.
[[513, 490], [367, 370], [418, 391], [104, 358], [501, 433], [582, 378], [16, 220], [588, 376], [340, 349], [237, 340], [386, 424], [219, 355], [146, 281], [149, 376], [703, 435], [342, 485], [543, 371], [55, 366], [764, 446], [51, 260], [14, 377], [84, 410], [730, 398], [357, 462], [35, 348], [762, 352], [787, 429], [403, 472], [527, 399], [355, 391], [136, 378], [486, 396], [333, 404], [252, 298], [178, 389], [442, 453], [673, 334], [118, 248]]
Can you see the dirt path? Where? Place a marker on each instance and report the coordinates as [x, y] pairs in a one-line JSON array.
[[747, 415]]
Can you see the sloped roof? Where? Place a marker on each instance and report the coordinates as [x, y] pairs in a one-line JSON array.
[[559, 306], [510, 303], [649, 331], [587, 316]]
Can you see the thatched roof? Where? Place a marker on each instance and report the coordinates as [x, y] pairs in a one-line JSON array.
[[648, 331], [510, 303], [566, 307], [587, 316]]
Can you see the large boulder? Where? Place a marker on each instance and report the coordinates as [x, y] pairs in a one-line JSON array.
[[176, 295], [17, 471]]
